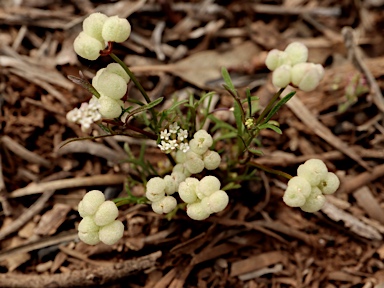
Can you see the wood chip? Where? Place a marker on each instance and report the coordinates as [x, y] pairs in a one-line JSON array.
[[52, 219], [256, 262], [351, 222]]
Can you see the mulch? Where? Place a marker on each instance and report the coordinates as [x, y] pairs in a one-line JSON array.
[[176, 49]]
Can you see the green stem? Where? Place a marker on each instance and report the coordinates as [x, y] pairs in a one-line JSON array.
[[269, 170], [132, 76], [138, 85], [269, 106]]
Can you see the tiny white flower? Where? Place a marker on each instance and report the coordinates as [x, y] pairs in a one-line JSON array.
[[173, 144], [173, 128], [184, 147], [165, 134], [182, 134]]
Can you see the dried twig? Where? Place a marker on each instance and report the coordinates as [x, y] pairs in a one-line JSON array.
[[35, 188], [354, 55], [94, 276], [24, 153], [27, 215]]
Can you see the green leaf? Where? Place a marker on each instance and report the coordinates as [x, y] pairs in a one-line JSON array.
[[238, 118], [227, 80], [175, 105], [145, 107], [255, 152], [221, 124], [231, 186], [279, 104], [85, 84], [270, 126]]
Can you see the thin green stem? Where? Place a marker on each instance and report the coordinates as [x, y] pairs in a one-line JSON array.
[[269, 106], [269, 170], [132, 76], [138, 85]]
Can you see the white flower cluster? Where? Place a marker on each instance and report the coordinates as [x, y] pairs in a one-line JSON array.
[[193, 161], [307, 189], [173, 138], [98, 29], [87, 114], [111, 83], [291, 67], [99, 220]]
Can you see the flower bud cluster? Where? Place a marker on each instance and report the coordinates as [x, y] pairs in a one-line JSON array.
[[99, 220], [111, 83], [291, 67], [307, 189], [203, 197], [98, 29], [191, 158], [87, 114]]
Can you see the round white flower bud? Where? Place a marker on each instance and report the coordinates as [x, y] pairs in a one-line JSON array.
[[207, 186], [87, 47], [307, 76], [90, 203], [216, 202], [93, 25], [313, 170], [197, 211], [116, 29], [276, 58], [111, 85], [329, 184], [155, 189], [117, 69], [194, 166], [187, 190], [165, 205], [211, 160], [109, 108], [90, 238], [88, 225], [293, 198], [106, 213], [96, 77], [170, 185], [301, 185], [201, 142], [297, 52], [181, 156], [179, 177], [110, 234], [281, 77], [314, 201]]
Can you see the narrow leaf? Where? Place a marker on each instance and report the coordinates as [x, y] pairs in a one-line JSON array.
[[278, 106]]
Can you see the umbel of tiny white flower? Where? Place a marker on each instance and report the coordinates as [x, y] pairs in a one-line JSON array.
[[97, 30], [87, 114], [307, 189], [174, 138], [290, 67], [99, 220]]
